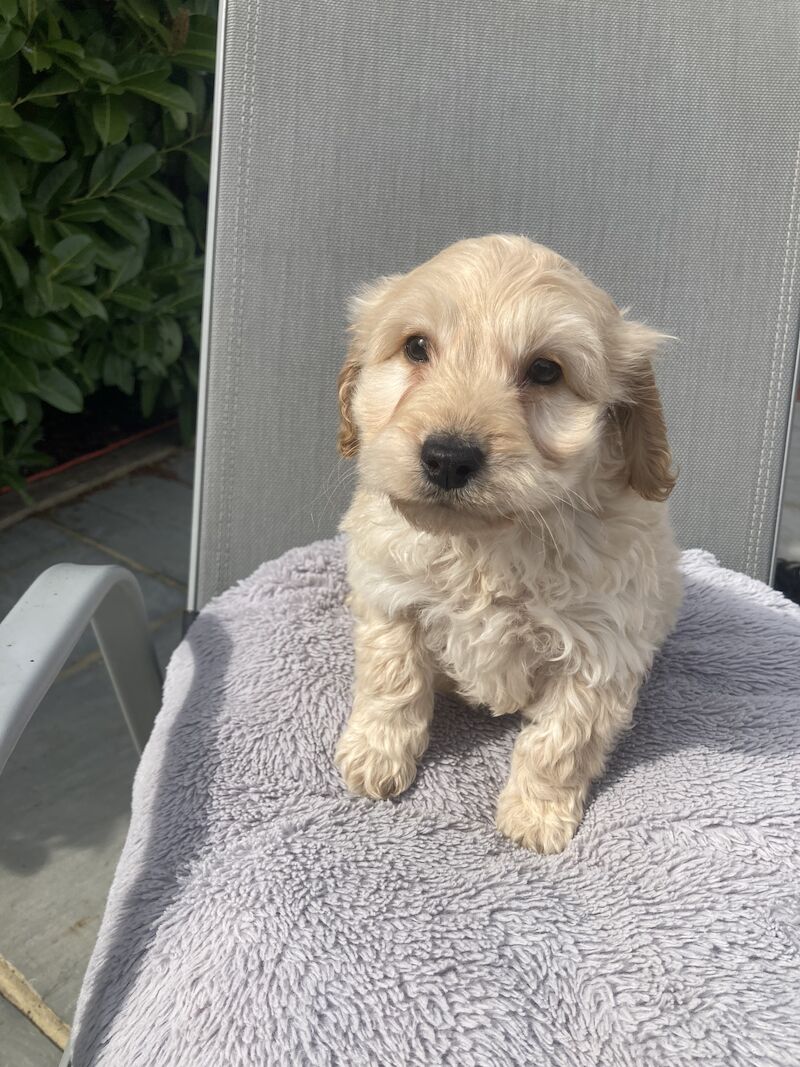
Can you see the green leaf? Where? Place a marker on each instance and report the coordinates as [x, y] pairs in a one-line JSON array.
[[9, 79], [118, 371], [42, 230], [88, 211], [160, 189], [130, 266], [92, 361], [198, 53], [32, 302], [37, 338], [12, 44], [154, 206], [132, 225], [10, 202], [29, 435], [148, 394], [146, 11], [49, 102], [187, 298], [66, 48], [104, 163], [18, 373], [140, 161], [53, 295], [8, 116], [86, 304], [180, 119], [198, 157], [55, 85], [196, 215], [197, 87], [169, 333], [11, 476], [38, 58], [54, 182], [110, 119], [30, 10], [167, 94], [35, 142], [105, 254], [56, 389], [8, 9], [14, 405], [99, 69], [71, 254], [16, 263], [86, 132], [136, 297], [143, 66], [183, 244]]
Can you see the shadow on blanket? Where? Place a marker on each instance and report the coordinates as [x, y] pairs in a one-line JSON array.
[[174, 816]]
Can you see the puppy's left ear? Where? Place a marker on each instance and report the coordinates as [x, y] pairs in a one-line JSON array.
[[640, 417], [347, 438]]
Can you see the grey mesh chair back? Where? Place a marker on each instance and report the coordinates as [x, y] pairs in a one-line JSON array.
[[655, 143]]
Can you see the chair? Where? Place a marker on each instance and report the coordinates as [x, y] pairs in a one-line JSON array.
[[655, 145]]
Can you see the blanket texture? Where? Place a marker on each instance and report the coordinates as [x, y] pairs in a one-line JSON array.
[[260, 915]]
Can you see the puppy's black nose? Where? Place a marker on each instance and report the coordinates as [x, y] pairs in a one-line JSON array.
[[449, 461]]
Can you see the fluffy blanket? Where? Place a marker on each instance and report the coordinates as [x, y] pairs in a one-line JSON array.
[[260, 915]]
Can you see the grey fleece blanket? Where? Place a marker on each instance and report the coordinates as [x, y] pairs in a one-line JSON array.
[[261, 916]]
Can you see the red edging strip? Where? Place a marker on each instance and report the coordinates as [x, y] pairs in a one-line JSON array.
[[93, 455]]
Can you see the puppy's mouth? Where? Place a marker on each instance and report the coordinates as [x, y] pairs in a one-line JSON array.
[[453, 512]]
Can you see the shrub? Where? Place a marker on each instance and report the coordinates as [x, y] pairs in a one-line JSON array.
[[104, 146]]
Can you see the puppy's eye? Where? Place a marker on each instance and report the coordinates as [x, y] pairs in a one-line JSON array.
[[543, 372], [416, 349]]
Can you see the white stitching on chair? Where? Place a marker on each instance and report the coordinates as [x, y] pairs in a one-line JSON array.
[[234, 361], [771, 425]]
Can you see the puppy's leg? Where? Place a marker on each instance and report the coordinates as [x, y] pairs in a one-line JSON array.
[[570, 732], [392, 708]]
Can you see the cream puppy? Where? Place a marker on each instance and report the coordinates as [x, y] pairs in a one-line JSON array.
[[508, 538]]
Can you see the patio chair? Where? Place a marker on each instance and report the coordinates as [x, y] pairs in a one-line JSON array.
[[260, 915]]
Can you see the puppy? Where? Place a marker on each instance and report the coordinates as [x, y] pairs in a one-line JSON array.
[[508, 538]]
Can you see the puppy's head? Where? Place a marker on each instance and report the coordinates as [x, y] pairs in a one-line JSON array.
[[494, 381]]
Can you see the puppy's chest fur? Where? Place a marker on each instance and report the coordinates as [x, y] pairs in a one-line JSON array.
[[503, 610]]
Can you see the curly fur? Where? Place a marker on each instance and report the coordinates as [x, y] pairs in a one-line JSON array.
[[546, 585]]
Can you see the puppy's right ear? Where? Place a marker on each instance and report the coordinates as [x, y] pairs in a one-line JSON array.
[[363, 312]]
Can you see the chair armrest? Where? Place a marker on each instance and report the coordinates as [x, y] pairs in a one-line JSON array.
[[41, 630]]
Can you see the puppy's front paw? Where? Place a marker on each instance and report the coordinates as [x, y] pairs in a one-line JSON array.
[[543, 825], [370, 771]]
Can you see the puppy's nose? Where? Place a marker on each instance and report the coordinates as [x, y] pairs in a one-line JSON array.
[[450, 461]]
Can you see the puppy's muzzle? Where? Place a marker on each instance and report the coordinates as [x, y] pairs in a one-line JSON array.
[[449, 462]]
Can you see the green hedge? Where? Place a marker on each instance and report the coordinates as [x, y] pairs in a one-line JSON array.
[[104, 145]]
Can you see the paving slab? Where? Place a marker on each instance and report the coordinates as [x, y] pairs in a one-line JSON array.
[[144, 517], [180, 465], [21, 1044]]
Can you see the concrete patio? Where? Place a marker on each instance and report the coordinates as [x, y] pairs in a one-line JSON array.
[[65, 794]]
